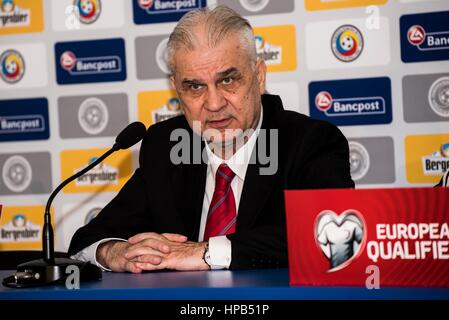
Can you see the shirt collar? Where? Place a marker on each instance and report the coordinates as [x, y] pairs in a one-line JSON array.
[[238, 163]]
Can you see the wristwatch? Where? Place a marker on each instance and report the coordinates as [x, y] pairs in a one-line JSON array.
[[206, 255]]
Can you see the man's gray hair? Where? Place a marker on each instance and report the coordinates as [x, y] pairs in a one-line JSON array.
[[219, 23]]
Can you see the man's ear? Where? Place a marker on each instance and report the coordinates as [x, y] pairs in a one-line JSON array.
[[261, 70], [172, 82]]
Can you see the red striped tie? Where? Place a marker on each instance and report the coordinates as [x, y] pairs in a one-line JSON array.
[[222, 213]]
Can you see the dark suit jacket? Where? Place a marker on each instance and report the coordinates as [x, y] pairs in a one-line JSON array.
[[163, 197]]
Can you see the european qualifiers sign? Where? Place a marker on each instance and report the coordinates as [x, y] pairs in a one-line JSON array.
[[335, 235]]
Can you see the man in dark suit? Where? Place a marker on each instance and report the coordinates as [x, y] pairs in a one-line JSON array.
[[220, 205]]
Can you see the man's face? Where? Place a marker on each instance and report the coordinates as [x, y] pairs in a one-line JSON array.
[[219, 87]]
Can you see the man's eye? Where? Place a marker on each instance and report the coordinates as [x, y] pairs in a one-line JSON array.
[[195, 86], [227, 81]]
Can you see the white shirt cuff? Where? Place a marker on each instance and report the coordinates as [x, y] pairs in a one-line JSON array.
[[89, 254], [220, 250]]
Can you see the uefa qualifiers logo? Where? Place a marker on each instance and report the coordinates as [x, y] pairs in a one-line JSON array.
[[341, 238], [347, 43], [88, 10], [93, 116], [359, 160], [162, 56], [254, 5], [439, 97], [12, 66], [17, 174]]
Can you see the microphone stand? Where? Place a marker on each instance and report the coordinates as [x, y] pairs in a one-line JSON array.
[[50, 269]]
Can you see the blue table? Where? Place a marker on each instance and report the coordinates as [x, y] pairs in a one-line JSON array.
[[269, 284]]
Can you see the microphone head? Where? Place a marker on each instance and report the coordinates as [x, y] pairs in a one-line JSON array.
[[129, 136]]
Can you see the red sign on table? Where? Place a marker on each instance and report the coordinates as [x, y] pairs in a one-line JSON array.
[[334, 236]]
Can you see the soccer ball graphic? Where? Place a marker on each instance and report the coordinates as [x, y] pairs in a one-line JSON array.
[[11, 67], [87, 6], [347, 43]]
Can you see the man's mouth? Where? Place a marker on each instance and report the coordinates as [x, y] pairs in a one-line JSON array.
[[219, 123]]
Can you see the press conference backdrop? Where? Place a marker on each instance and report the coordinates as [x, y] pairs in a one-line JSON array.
[[74, 73]]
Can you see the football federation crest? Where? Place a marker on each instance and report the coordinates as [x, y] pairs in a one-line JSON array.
[[359, 160], [347, 43], [12, 66], [93, 116], [439, 97], [17, 173], [340, 237], [88, 10]]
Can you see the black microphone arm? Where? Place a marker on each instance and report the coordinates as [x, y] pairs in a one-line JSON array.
[[50, 269], [47, 231]]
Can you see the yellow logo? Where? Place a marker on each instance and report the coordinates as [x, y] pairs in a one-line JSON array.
[[21, 227], [21, 16], [337, 4], [157, 106], [427, 157], [277, 46], [110, 175]]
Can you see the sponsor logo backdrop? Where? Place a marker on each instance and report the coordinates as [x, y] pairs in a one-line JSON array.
[[73, 73]]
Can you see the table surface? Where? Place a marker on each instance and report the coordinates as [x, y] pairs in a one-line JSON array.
[[269, 284]]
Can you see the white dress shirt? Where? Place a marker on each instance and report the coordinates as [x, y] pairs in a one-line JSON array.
[[220, 246]]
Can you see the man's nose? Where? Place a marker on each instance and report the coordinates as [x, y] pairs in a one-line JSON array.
[[215, 99]]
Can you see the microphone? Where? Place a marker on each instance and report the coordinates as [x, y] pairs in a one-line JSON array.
[[50, 269]]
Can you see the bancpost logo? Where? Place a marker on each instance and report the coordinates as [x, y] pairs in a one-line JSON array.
[[154, 11], [425, 37], [21, 227], [90, 61], [110, 175], [336, 4], [277, 46], [12, 66], [347, 43], [341, 238], [157, 106], [20, 16], [427, 157], [24, 119], [88, 10], [351, 102]]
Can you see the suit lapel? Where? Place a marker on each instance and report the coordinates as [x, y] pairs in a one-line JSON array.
[[257, 187]]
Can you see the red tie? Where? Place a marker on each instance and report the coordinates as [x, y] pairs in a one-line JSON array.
[[222, 213]]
